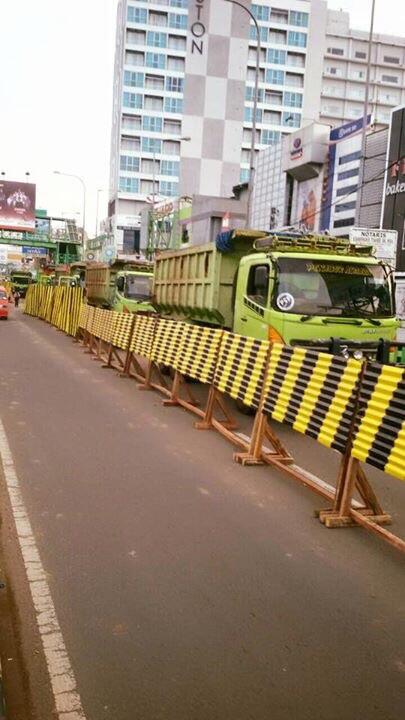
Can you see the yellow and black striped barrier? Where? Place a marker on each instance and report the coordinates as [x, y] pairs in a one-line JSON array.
[[356, 408]]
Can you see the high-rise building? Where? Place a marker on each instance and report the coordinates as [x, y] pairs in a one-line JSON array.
[[183, 92], [183, 96], [345, 68]]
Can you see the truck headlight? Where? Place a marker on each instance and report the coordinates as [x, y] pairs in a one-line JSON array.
[[358, 355]]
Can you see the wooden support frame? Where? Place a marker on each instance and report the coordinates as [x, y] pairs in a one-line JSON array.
[[113, 354]]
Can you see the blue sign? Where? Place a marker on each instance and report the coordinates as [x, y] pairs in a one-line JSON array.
[[34, 250]]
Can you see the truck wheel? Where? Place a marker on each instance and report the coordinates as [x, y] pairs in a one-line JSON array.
[[244, 409]]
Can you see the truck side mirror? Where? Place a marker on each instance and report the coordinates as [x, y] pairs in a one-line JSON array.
[[121, 284]]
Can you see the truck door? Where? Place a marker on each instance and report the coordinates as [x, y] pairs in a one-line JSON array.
[[252, 298]]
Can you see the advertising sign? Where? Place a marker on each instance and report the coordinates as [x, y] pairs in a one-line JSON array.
[[17, 206], [384, 242], [340, 192], [393, 215], [34, 250], [307, 204]]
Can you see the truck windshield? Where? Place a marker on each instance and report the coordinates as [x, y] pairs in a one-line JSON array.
[[332, 288], [139, 287], [21, 279]]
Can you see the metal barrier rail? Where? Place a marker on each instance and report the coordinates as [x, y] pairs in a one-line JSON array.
[[354, 407]]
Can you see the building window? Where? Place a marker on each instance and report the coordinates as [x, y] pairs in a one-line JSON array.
[[155, 60], [261, 12], [177, 42], [156, 39], [296, 59], [349, 158], [174, 84], [157, 18], [175, 63], [264, 33], [292, 119], [178, 21], [269, 137], [168, 188], [278, 37], [389, 79], [147, 187], [131, 144], [279, 16], [244, 175], [273, 97], [294, 80], [297, 38], [292, 99], [172, 127], [276, 57], [335, 51], [129, 184], [151, 145], [250, 92], [137, 15], [391, 59], [179, 3], [300, 19], [129, 163], [360, 55], [348, 174], [153, 103], [169, 167], [131, 122], [348, 190], [171, 147], [134, 58], [130, 100], [152, 123], [136, 37], [150, 167], [249, 114], [173, 105], [155, 82], [133, 79], [347, 222], [275, 77], [343, 207]]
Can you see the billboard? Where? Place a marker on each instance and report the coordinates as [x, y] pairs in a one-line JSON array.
[[307, 204], [17, 206], [393, 215]]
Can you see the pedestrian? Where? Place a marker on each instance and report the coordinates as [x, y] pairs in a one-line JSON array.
[[16, 298]]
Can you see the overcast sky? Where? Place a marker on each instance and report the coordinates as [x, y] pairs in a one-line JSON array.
[[56, 92]]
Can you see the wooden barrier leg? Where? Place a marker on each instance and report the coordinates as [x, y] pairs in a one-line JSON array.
[[209, 422], [352, 478], [175, 399], [257, 453]]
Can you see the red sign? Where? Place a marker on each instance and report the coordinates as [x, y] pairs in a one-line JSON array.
[[17, 206]]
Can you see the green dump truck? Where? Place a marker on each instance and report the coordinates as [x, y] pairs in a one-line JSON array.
[[20, 280], [122, 286], [301, 290]]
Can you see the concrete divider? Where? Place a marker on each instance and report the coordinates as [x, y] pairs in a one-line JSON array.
[[355, 408]]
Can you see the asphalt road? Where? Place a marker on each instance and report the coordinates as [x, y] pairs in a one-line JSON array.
[[188, 587]]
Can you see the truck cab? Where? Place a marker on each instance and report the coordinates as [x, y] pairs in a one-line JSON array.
[[307, 295], [133, 291]]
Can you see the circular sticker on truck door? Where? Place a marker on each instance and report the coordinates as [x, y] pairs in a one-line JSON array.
[[285, 301]]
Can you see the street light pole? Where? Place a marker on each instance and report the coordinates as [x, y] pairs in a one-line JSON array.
[[365, 112], [255, 100], [77, 177]]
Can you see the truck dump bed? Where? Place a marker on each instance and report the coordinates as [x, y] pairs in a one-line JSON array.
[[196, 283], [100, 282]]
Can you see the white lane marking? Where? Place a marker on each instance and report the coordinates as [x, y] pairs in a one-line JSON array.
[[67, 700]]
